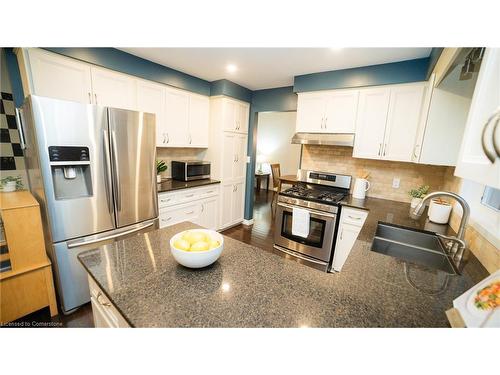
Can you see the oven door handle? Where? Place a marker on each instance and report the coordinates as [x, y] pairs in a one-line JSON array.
[[316, 212]]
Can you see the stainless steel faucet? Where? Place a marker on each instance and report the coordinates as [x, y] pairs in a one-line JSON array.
[[456, 251]]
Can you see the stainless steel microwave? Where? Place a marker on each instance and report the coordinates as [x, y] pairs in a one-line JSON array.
[[189, 170]]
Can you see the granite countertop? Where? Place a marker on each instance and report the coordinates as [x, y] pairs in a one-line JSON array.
[[250, 287], [170, 184]]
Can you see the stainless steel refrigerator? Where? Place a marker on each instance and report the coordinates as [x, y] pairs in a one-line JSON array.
[[93, 172]]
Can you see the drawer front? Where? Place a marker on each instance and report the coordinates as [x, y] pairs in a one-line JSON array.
[[186, 195], [177, 214], [353, 217], [104, 307]]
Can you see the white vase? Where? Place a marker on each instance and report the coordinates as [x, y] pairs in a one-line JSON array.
[[9, 186], [158, 178]]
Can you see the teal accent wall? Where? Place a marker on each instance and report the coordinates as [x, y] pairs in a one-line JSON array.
[[14, 76], [281, 99], [433, 59], [373, 75], [228, 88], [120, 61]]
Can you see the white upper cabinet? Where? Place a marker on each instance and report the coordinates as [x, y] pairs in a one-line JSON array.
[[235, 116], [177, 117], [340, 112], [403, 121], [182, 118], [482, 131], [388, 122], [310, 113], [151, 98], [59, 77], [327, 111], [199, 107], [371, 122], [113, 89]]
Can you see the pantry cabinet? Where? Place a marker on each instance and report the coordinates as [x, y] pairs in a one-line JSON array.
[[327, 112], [482, 130], [235, 115], [232, 203], [388, 122], [59, 77], [182, 117]]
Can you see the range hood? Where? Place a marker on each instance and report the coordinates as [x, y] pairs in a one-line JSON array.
[[328, 139]]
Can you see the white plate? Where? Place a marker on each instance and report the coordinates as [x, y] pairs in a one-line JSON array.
[[470, 301]]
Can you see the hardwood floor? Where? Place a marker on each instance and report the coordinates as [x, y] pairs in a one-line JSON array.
[[259, 234]]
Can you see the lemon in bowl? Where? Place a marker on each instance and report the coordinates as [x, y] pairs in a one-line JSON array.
[[196, 248]]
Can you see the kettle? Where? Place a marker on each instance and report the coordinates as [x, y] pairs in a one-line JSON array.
[[361, 186]]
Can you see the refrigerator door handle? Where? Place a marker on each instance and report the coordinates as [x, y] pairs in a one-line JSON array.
[[116, 172], [79, 243], [107, 182], [20, 128]]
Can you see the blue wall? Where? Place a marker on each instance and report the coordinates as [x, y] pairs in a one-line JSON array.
[[228, 88], [14, 76], [280, 99], [373, 75]]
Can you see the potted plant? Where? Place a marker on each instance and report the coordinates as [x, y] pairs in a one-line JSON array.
[[11, 183], [161, 167], [417, 195]]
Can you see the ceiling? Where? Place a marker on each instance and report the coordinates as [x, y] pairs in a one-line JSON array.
[[262, 68]]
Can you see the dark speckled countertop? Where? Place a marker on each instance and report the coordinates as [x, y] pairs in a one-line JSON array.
[[250, 287], [170, 184]]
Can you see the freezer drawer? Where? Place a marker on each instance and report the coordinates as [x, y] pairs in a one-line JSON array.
[[71, 277]]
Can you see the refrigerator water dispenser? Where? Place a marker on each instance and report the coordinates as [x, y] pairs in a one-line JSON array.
[[71, 174]]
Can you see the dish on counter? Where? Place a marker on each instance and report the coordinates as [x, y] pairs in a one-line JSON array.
[[196, 248], [484, 298]]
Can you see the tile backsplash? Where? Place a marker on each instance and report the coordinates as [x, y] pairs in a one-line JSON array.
[[339, 160], [169, 154]]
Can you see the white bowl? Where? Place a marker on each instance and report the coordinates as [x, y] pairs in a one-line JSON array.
[[197, 259]]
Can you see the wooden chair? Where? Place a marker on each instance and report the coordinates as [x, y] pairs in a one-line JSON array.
[[276, 173]]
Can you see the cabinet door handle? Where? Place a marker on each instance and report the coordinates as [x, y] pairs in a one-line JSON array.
[[95, 97], [415, 155], [99, 294], [341, 233], [326, 120], [90, 98], [353, 217], [487, 152], [190, 212], [164, 138], [190, 138], [202, 207], [168, 138], [385, 148], [495, 146], [189, 195], [322, 119], [379, 148]]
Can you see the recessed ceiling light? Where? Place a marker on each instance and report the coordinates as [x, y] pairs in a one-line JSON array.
[[231, 68]]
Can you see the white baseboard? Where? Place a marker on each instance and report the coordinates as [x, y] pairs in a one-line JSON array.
[[248, 222]]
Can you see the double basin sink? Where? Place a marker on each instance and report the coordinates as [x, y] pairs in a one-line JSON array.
[[414, 246]]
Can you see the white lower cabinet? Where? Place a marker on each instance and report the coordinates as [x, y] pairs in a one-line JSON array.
[[351, 222], [105, 314], [198, 205], [232, 203]]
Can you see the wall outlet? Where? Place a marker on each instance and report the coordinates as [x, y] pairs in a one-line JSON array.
[[395, 183]]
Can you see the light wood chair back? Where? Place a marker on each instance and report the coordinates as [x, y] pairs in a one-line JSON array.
[[276, 172]]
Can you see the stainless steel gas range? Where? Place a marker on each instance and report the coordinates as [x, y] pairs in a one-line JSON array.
[[320, 194]]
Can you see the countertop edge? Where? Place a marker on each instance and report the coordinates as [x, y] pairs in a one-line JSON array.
[[195, 185]]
